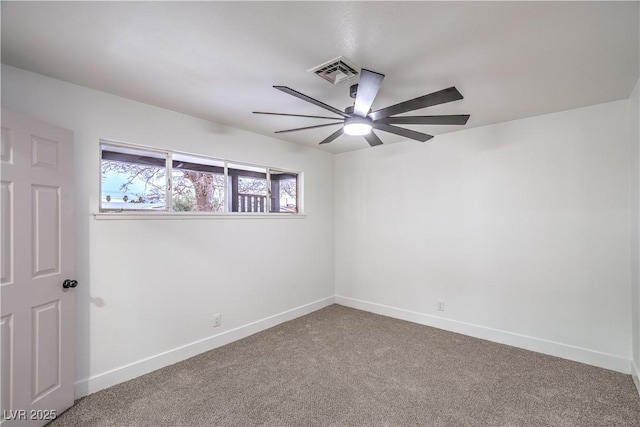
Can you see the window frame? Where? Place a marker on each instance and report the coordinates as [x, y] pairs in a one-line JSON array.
[[273, 186], [169, 213], [203, 167], [161, 153]]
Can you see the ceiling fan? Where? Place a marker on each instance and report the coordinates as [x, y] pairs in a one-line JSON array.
[[360, 120]]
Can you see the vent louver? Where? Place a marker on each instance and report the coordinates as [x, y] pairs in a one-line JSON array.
[[337, 70]]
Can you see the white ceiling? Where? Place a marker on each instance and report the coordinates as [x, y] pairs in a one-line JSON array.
[[219, 60]]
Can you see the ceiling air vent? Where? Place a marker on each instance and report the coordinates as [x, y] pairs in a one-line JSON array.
[[337, 70]]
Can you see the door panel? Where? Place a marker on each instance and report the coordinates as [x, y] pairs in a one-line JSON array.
[[37, 334], [46, 230], [6, 152], [6, 360], [6, 250], [45, 366], [44, 153]]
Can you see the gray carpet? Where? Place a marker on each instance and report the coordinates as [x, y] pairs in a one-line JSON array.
[[345, 367]]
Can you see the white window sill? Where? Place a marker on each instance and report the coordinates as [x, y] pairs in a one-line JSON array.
[[191, 215]]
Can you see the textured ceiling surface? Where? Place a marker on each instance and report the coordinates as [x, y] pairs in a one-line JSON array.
[[219, 60]]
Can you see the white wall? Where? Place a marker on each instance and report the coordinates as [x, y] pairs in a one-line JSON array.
[[151, 287], [634, 104], [522, 228]]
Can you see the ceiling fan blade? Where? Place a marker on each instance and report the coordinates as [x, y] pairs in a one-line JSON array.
[[372, 139], [332, 136], [311, 100], [435, 98], [411, 134], [368, 88], [298, 115], [308, 127], [454, 119]]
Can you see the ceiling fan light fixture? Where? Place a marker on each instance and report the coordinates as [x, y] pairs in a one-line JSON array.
[[357, 126]]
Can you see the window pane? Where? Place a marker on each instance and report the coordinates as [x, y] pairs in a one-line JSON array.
[[132, 179], [284, 191], [248, 188], [248, 185], [198, 184]]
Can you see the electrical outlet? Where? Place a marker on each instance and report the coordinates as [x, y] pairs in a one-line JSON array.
[[440, 305], [217, 320]]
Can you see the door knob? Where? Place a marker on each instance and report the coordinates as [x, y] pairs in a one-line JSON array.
[[69, 284]]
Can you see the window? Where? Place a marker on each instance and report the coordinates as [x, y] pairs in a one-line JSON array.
[[197, 184], [247, 188], [133, 179], [136, 178], [284, 191]]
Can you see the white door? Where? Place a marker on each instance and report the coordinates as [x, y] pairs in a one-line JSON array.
[[37, 326]]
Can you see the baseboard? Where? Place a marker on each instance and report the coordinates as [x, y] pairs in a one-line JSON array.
[[635, 374], [124, 373], [565, 351]]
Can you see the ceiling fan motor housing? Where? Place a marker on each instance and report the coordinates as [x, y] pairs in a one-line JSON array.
[[353, 91]]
